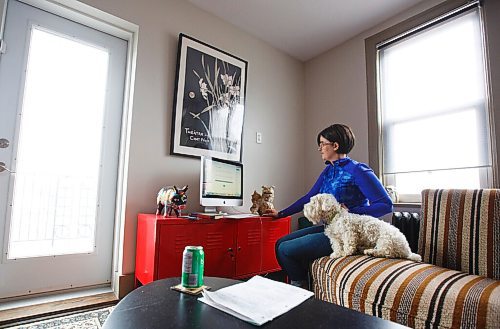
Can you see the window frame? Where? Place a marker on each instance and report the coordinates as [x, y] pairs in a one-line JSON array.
[[489, 11]]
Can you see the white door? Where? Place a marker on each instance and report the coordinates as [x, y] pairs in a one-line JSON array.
[[61, 105]]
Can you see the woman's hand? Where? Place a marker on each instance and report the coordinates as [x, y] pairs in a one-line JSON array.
[[271, 213]]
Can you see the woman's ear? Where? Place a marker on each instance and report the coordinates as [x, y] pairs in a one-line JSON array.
[[335, 146]]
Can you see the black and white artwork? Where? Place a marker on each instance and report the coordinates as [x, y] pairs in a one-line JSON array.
[[209, 103]]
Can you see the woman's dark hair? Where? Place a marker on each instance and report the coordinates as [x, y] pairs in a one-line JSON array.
[[341, 134]]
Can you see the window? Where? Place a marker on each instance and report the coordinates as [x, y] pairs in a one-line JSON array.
[[429, 94], [63, 188]]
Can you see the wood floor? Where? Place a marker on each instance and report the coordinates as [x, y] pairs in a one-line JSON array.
[[24, 313]]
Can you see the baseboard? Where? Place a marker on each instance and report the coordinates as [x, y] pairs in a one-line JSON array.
[[55, 308], [126, 283]]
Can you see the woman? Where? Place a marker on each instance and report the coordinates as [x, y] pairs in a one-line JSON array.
[[353, 184]]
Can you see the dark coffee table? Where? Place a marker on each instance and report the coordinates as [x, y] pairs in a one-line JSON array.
[[155, 305]]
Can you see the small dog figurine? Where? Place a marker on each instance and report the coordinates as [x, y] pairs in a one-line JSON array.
[[256, 199], [351, 234], [267, 199], [170, 199]]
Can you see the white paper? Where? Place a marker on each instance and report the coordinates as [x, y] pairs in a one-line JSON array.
[[258, 300], [210, 302], [239, 216]]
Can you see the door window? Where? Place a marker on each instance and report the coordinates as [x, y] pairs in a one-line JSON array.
[[55, 195]]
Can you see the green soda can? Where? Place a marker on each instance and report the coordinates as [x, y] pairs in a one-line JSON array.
[[193, 261]]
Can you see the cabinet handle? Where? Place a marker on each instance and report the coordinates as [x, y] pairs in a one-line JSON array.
[[229, 249], [239, 248]]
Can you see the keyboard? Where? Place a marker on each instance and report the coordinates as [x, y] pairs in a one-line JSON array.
[[239, 216]]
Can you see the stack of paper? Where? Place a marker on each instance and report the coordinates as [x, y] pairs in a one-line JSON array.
[[258, 300], [240, 216]]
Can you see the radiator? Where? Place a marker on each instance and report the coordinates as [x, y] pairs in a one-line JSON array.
[[409, 224]]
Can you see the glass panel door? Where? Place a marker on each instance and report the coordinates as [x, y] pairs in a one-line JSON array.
[[61, 95]]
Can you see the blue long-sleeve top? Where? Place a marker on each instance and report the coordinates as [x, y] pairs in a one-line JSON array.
[[352, 183]]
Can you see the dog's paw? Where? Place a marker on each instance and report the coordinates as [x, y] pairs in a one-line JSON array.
[[335, 255], [369, 252], [350, 250], [414, 257]]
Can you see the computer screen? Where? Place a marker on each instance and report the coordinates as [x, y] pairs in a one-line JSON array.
[[221, 182]]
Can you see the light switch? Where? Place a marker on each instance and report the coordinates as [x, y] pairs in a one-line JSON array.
[[259, 137]]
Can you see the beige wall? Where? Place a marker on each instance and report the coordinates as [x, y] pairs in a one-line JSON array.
[[274, 106], [335, 85]]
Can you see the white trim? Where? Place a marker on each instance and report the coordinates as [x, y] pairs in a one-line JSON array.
[[87, 15], [489, 104], [3, 6], [102, 21], [4, 14], [410, 198], [121, 200]]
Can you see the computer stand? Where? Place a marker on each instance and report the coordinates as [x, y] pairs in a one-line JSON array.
[[210, 210]]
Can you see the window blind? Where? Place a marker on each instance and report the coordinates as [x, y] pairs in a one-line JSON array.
[[433, 110]]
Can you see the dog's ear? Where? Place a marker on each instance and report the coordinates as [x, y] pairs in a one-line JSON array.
[[326, 202], [330, 204], [311, 211]]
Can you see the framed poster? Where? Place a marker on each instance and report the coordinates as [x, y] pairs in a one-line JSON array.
[[209, 101]]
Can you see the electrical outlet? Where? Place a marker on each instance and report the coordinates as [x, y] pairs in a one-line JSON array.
[[259, 137]]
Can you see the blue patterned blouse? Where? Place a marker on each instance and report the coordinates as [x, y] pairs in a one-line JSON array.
[[352, 183]]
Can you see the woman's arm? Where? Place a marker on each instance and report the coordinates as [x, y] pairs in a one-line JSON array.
[[373, 190], [299, 204]]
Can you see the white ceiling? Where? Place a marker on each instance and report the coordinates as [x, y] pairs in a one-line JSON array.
[[304, 28]]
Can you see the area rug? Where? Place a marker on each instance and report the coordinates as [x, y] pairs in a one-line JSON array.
[[85, 320]]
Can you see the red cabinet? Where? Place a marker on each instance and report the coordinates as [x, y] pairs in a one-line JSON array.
[[248, 247], [233, 248], [218, 244], [271, 232]]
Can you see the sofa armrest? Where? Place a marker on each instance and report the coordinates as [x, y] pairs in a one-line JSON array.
[[460, 230]]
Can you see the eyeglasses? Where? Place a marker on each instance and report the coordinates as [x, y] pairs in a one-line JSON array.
[[321, 144]]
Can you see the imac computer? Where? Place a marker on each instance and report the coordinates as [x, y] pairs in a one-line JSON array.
[[221, 183]]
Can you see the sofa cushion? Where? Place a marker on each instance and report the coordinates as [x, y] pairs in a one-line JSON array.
[[413, 294], [460, 230]]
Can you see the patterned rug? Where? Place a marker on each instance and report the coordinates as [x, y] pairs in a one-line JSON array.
[[85, 320]]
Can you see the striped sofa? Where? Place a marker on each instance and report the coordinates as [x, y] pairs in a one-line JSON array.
[[456, 286]]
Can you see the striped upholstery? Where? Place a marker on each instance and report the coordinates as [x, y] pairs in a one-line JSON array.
[[456, 286], [418, 295], [460, 230]]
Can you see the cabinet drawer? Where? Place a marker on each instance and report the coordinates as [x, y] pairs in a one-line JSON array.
[[272, 230], [218, 241], [248, 247], [172, 239]]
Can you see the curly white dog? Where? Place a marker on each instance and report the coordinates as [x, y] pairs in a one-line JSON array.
[[351, 234]]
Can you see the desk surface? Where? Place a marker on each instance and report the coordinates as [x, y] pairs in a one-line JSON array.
[[155, 305]]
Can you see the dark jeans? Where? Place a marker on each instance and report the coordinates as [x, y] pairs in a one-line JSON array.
[[297, 250]]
